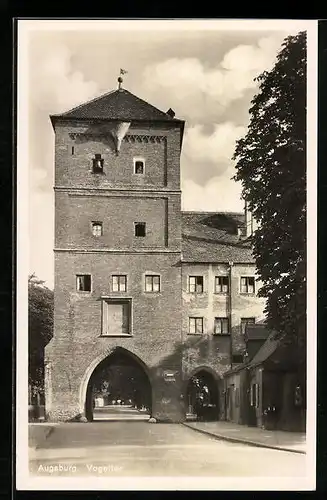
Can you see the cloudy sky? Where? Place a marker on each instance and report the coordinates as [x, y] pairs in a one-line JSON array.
[[206, 76]]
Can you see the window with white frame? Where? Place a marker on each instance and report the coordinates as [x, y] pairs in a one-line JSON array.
[[221, 284], [247, 284], [116, 317], [119, 283], [195, 325], [139, 166], [195, 284], [152, 283], [221, 326], [97, 228], [83, 282]]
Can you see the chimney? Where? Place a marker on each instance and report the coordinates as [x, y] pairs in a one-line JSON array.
[[171, 113], [249, 221]]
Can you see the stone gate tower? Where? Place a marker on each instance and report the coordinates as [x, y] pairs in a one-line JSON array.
[[117, 250]]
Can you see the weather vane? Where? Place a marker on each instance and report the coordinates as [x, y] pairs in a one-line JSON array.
[[120, 79]]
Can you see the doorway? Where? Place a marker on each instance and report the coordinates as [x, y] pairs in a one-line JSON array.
[[202, 397], [119, 389]]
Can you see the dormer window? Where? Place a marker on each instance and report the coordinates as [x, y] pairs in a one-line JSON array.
[[97, 164], [139, 165]]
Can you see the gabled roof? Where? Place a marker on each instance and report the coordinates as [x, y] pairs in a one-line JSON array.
[[213, 237], [118, 104]]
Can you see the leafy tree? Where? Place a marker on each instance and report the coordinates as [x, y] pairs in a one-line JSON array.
[[40, 330], [271, 164]]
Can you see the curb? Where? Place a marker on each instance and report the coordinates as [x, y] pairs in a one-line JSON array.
[[243, 441]]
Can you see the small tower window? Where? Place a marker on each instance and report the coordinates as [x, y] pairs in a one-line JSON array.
[[73, 150], [97, 164], [83, 282], [97, 228], [140, 229], [138, 166]]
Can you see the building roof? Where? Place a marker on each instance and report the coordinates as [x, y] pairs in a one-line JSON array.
[[256, 332], [213, 237], [265, 351], [118, 104]]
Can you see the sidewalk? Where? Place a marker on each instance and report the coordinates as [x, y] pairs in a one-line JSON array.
[[282, 440]]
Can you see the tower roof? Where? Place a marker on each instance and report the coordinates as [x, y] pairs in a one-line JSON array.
[[117, 105]]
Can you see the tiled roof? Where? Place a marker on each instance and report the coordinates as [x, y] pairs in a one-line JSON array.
[[265, 351], [276, 353], [117, 105], [212, 237]]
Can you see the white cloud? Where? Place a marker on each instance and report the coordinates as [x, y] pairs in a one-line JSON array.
[[56, 86], [195, 90], [219, 194], [217, 147]]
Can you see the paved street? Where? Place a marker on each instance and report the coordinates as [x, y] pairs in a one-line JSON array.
[[117, 412], [134, 448]]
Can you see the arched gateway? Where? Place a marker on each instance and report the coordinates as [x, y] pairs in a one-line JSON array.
[[202, 394], [119, 387]]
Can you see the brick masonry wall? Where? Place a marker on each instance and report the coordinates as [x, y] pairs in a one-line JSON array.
[[118, 199], [161, 158], [78, 341], [75, 213]]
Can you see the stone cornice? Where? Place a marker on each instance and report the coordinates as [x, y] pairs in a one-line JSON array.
[[131, 138], [103, 190]]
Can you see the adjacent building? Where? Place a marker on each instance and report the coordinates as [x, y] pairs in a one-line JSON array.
[[135, 277], [269, 389]]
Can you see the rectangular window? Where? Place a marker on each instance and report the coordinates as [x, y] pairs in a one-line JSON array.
[[97, 164], [140, 229], [221, 284], [97, 228], [119, 283], [245, 322], [152, 283], [195, 284], [247, 284], [195, 325], [83, 282], [73, 150], [138, 166], [221, 326], [116, 317]]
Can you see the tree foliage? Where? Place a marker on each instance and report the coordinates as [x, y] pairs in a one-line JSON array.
[[271, 164], [40, 328]]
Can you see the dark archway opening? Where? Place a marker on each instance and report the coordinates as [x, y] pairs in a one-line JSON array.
[[119, 389], [202, 397]]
